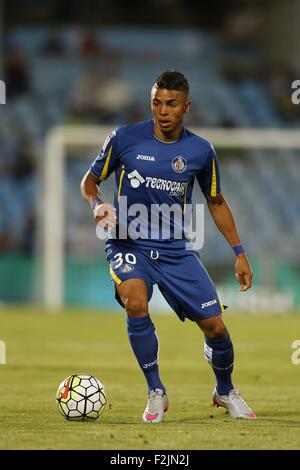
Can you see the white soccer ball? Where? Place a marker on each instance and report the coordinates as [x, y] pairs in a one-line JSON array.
[[81, 397]]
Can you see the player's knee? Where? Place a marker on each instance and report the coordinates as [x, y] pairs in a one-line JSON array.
[[218, 332], [136, 307]]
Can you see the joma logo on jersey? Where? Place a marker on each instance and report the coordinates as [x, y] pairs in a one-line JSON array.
[[148, 158], [208, 304]]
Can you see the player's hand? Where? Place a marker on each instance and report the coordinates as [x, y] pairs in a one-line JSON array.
[[105, 215], [243, 272]]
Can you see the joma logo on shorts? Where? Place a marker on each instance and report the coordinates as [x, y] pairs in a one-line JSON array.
[[208, 304]]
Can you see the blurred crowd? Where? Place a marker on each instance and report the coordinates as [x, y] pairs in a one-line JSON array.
[[87, 77]]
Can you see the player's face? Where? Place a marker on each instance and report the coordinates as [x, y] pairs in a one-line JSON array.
[[168, 108]]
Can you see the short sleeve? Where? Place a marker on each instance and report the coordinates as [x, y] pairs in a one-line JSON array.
[[209, 176], [107, 161]]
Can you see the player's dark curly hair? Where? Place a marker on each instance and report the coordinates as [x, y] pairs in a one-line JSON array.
[[172, 80]]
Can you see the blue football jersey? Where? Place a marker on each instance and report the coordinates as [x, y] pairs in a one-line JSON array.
[[151, 174]]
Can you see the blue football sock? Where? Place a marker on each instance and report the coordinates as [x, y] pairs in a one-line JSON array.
[[219, 353], [144, 342]]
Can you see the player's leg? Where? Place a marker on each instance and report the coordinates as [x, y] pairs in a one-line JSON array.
[[144, 342], [134, 296], [218, 351], [189, 290], [141, 331]]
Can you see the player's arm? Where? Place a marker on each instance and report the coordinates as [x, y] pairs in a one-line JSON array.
[[103, 212], [223, 218], [209, 181], [104, 164]]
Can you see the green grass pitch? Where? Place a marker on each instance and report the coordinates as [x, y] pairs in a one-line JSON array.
[[43, 349]]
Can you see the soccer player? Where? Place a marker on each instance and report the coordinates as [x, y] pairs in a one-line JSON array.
[[155, 163]]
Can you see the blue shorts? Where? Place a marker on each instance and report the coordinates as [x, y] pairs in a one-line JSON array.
[[179, 275]]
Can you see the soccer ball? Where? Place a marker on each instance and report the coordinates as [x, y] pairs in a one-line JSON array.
[[81, 397]]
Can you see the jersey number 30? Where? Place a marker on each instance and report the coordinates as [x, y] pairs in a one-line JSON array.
[[129, 258]]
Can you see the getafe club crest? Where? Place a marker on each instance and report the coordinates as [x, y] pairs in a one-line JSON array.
[[179, 164], [127, 268]]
